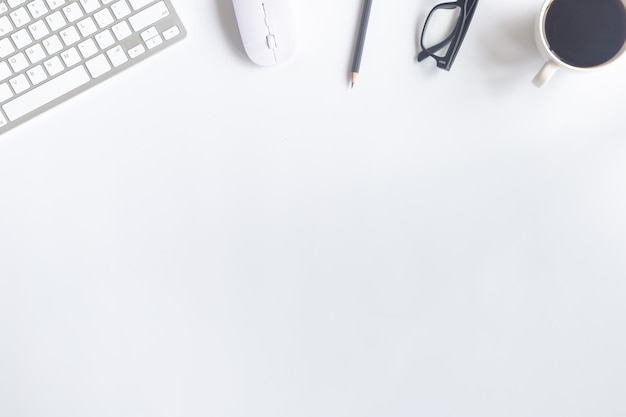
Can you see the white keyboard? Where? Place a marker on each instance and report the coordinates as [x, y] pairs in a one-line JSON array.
[[51, 50]]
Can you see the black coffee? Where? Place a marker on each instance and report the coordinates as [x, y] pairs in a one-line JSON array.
[[585, 33]]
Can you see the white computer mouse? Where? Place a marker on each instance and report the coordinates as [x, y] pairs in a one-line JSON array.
[[267, 30]]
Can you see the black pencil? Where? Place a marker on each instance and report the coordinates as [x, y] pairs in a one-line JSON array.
[[358, 52]]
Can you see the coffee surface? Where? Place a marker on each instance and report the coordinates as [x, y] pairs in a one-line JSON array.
[[585, 33]]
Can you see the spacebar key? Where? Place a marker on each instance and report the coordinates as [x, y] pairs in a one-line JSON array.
[[45, 93]]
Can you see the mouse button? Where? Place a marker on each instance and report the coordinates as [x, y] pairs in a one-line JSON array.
[[250, 20], [271, 41], [277, 11], [283, 55]]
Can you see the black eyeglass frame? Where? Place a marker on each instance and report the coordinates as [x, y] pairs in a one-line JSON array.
[[455, 39]]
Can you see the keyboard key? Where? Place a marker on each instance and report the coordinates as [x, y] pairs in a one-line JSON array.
[[36, 75], [70, 57], [105, 39], [73, 12], [5, 25], [103, 18], [138, 4], [37, 8], [35, 53], [38, 30], [149, 16], [154, 42], [56, 21], [21, 39], [98, 66], [20, 17], [45, 93], [121, 30], [53, 66], [87, 26], [90, 5], [18, 62], [149, 33], [53, 4], [88, 48], [171, 33], [117, 56], [6, 48], [135, 51], [5, 71], [5, 92], [120, 9], [52, 44], [14, 3], [69, 36], [19, 83]]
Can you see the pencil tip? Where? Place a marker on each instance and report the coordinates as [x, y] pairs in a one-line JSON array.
[[352, 84], [353, 78]]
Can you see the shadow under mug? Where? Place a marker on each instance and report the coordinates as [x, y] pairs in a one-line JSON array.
[[569, 14]]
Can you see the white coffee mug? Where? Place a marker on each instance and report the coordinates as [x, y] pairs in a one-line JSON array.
[[553, 62]]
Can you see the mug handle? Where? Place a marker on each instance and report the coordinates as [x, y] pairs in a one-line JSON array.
[[545, 73]]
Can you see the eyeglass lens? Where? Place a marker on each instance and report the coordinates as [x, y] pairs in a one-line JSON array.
[[439, 29]]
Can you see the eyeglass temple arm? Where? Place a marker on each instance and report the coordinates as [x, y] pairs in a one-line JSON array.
[[471, 8]]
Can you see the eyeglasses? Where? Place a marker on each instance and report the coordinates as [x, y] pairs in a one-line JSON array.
[[444, 31]]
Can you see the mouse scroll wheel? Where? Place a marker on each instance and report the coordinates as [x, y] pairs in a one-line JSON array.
[[271, 41]]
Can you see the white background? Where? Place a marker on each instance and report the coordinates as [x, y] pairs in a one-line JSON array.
[[199, 236]]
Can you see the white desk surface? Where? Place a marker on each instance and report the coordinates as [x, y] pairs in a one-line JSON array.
[[199, 236]]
